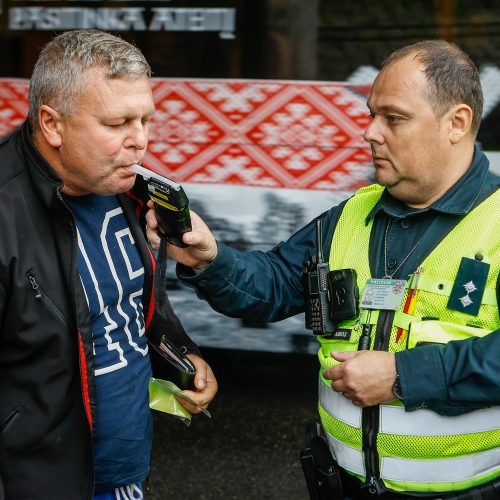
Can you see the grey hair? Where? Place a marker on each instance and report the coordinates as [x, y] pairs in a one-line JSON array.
[[59, 71], [452, 77]]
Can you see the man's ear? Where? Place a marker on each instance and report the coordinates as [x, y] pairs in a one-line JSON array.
[[51, 125], [460, 117]]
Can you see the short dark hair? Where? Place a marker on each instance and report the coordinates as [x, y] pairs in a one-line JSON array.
[[451, 75]]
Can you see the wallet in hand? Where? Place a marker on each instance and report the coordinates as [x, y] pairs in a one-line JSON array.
[[183, 374]]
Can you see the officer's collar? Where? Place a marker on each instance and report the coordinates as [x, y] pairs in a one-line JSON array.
[[458, 200]]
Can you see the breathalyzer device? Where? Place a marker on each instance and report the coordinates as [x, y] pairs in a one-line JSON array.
[[171, 205]]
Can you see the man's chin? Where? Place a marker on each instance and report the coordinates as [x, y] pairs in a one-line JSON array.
[[121, 186]]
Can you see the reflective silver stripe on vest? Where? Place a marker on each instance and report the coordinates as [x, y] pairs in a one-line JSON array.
[[347, 457], [423, 422], [337, 406], [440, 471], [394, 420]]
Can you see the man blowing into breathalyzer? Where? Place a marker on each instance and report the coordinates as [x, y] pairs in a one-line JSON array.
[[76, 280]]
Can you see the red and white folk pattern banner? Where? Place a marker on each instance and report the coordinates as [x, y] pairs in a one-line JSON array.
[[266, 133], [13, 103]]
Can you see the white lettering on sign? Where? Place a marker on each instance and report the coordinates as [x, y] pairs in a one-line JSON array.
[[172, 19], [124, 19], [66, 18]]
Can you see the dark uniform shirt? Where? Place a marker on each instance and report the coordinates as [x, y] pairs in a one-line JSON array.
[[268, 285]]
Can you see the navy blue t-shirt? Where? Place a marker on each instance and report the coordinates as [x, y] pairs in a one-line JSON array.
[[113, 278]]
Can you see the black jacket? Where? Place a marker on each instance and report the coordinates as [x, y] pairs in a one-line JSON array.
[[47, 401]]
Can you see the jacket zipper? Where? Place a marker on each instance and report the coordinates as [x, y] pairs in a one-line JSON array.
[[73, 303], [10, 418], [41, 295], [370, 419], [370, 415]]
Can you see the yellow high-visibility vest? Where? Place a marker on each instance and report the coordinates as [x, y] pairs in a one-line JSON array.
[[419, 451]]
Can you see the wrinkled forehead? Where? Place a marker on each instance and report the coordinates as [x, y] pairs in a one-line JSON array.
[[99, 84]]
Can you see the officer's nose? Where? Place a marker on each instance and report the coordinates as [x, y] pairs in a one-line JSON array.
[[373, 132]]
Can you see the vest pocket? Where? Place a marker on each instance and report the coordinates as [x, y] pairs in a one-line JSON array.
[[342, 339], [440, 332]]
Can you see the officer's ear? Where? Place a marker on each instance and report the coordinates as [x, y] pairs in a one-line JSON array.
[[460, 122], [51, 126]]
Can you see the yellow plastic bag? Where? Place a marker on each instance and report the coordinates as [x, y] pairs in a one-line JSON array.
[[162, 397]]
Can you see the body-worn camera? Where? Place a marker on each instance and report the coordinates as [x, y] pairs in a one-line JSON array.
[[171, 205], [316, 293], [344, 294]]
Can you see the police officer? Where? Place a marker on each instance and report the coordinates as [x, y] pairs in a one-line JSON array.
[[413, 413]]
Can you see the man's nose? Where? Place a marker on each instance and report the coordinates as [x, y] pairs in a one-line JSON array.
[[138, 136]]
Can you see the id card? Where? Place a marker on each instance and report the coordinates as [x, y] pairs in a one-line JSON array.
[[383, 294]]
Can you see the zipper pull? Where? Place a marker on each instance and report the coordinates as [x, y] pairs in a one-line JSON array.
[[374, 487], [35, 286], [365, 339]]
